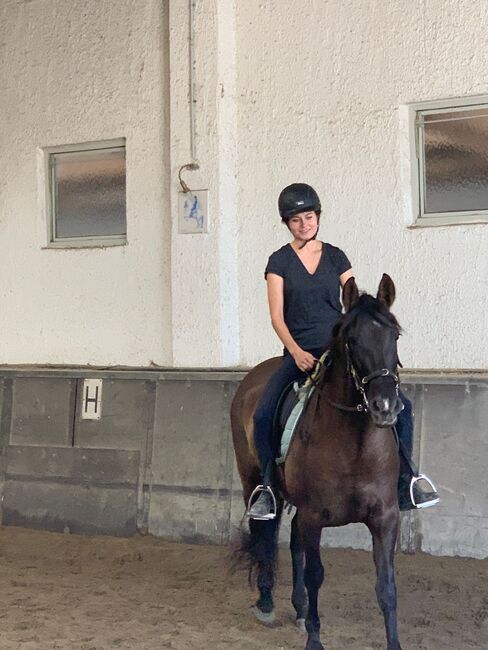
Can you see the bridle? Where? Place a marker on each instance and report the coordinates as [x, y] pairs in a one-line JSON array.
[[361, 383]]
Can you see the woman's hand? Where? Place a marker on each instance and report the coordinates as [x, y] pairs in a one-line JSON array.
[[304, 360]]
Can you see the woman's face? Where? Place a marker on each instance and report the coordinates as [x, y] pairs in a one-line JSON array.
[[303, 225]]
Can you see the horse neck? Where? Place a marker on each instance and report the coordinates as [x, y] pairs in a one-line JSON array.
[[340, 387]]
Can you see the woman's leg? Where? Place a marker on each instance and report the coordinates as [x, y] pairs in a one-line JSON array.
[[263, 430], [404, 425], [408, 471]]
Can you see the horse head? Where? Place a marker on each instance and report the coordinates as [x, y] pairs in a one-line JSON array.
[[367, 335]]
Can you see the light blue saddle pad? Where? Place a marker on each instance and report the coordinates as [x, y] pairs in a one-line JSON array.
[[303, 394]]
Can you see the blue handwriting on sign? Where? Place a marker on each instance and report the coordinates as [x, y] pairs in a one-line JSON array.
[[192, 211]]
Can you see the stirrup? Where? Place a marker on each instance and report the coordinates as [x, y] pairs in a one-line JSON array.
[[413, 482], [274, 509]]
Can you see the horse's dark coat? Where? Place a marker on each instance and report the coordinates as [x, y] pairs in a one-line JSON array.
[[341, 468]]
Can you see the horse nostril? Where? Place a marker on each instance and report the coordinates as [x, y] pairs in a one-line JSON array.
[[381, 404]]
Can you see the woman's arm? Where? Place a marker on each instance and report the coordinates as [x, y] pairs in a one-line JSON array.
[[304, 360], [344, 277]]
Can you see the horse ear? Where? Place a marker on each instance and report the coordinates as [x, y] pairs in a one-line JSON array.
[[386, 290], [350, 294]]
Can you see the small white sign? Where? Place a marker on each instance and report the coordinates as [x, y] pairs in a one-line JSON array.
[[193, 212], [91, 406]]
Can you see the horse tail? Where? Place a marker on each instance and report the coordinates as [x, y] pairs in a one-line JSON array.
[[257, 552]]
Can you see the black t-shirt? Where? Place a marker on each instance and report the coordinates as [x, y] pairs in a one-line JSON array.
[[312, 303]]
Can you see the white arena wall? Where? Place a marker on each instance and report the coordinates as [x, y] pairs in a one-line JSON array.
[[75, 72], [321, 88], [308, 90], [285, 91]]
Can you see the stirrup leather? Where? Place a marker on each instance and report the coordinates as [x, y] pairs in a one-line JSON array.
[[274, 509], [413, 482]]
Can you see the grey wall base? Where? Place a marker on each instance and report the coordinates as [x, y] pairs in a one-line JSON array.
[[160, 460], [71, 490], [71, 509]]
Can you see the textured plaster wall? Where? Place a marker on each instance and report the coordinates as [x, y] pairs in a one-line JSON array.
[[74, 72], [205, 282], [285, 91], [319, 90]]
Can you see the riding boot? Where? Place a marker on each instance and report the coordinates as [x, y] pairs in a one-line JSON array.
[[264, 507], [411, 494]]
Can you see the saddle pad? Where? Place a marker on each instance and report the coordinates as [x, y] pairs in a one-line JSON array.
[[291, 406], [301, 396]]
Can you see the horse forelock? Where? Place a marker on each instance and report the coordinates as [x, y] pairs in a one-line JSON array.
[[368, 306]]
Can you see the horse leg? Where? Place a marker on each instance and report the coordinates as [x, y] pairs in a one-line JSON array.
[[384, 529], [263, 549], [314, 576], [298, 596]]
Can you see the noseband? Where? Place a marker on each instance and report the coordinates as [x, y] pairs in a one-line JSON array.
[[361, 383]]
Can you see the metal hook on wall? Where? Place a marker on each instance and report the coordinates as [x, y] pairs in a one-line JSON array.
[[191, 167]]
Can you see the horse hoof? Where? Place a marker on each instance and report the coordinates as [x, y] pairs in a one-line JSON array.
[[300, 623], [314, 644], [268, 618]]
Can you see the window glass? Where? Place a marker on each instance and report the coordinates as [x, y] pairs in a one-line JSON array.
[[455, 161], [88, 193]]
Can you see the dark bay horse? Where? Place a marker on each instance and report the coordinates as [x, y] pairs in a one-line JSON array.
[[342, 465]]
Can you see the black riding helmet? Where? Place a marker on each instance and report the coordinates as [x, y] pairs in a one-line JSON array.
[[298, 197]]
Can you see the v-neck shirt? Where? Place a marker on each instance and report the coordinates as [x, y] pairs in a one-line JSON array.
[[312, 303]]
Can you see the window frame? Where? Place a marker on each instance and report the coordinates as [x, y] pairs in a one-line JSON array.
[[88, 241], [416, 112]]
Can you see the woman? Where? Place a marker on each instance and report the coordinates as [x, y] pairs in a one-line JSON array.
[[304, 280]]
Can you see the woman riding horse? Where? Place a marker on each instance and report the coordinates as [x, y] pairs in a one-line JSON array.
[[342, 465], [304, 279]]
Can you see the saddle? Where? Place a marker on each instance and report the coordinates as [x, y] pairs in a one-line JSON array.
[[290, 408]]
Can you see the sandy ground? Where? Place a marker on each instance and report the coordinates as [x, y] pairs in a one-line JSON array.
[[91, 593]]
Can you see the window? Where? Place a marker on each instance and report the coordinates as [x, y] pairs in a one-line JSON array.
[[86, 194], [451, 139]]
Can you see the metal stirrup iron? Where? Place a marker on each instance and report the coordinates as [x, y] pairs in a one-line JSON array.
[[413, 482], [257, 490]]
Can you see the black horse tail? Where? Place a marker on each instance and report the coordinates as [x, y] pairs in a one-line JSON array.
[[257, 551]]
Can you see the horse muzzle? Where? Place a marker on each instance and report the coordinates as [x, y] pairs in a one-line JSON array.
[[384, 410]]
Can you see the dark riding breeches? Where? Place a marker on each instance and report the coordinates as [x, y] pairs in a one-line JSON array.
[[279, 380], [404, 424], [264, 414]]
